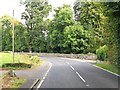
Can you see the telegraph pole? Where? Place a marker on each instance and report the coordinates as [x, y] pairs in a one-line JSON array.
[[13, 73], [13, 38]]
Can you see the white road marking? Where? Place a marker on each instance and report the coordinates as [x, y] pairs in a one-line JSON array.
[[87, 85], [43, 78], [80, 77], [77, 73], [72, 68], [34, 84], [39, 85], [45, 75]]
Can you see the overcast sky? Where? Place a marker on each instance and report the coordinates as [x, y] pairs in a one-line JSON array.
[[7, 6]]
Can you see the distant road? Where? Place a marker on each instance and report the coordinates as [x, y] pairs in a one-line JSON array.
[[72, 74]]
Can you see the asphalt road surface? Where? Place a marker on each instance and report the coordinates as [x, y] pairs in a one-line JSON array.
[[66, 73]]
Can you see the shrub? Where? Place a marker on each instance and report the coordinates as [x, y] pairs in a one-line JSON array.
[[16, 65], [102, 53]]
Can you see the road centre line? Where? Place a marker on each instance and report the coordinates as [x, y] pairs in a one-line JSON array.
[[77, 73], [80, 77], [72, 67], [39, 85]]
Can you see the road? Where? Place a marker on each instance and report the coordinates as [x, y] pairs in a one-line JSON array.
[[66, 73]]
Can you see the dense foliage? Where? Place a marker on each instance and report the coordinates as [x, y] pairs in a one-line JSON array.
[[112, 31], [62, 18], [20, 34], [91, 25], [34, 14], [76, 39], [89, 14], [102, 53]]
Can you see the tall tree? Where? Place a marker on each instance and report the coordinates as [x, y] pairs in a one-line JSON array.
[[89, 14], [62, 18], [34, 14], [112, 31], [6, 22], [19, 32]]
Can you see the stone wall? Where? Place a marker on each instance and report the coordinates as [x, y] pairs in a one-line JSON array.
[[79, 56]]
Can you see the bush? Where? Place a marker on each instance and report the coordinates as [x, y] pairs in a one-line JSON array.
[[16, 65], [102, 53]]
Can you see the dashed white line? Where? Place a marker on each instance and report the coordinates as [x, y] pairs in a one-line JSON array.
[[39, 85], [80, 77], [77, 73], [72, 68], [87, 85]]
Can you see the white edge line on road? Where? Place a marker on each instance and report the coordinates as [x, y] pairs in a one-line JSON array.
[[34, 83], [43, 78], [80, 77], [106, 70], [39, 85]]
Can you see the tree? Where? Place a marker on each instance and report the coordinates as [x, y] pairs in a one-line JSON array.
[[89, 14], [112, 31], [62, 18], [76, 40], [34, 14], [6, 32], [20, 37]]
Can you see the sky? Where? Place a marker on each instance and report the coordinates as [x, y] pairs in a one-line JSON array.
[[7, 6]]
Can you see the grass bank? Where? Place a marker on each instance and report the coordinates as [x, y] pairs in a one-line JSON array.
[[21, 61], [108, 67]]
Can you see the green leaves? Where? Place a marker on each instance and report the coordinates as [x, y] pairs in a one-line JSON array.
[[102, 53], [19, 32], [75, 39], [33, 15], [62, 18], [89, 14]]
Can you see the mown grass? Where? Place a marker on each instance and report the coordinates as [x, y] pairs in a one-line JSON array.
[[108, 67], [21, 61]]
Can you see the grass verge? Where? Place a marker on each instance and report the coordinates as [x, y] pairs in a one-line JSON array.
[[108, 67], [21, 61], [11, 82]]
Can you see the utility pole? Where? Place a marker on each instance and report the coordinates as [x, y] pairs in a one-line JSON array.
[[13, 38], [13, 73]]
